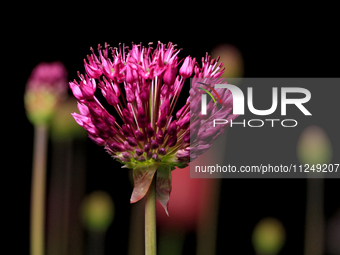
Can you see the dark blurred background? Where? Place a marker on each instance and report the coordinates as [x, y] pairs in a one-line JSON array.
[[270, 48]]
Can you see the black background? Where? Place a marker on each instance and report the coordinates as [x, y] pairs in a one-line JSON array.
[[279, 47]]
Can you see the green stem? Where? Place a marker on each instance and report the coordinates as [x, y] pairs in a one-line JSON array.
[[38, 191], [208, 223], [171, 242], [150, 219], [314, 230]]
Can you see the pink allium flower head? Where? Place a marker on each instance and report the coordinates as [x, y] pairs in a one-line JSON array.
[[46, 86], [145, 136]]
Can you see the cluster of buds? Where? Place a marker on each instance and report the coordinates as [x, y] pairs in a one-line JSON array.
[[45, 88], [143, 86]]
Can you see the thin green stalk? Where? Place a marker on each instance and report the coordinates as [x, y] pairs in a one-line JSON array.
[[37, 225], [314, 231], [136, 242], [208, 223], [171, 242], [150, 220]]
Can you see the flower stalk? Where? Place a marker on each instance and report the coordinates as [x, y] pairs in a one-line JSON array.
[[37, 239], [45, 89], [150, 220]]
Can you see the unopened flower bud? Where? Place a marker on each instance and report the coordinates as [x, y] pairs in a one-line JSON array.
[[99, 123], [187, 67], [97, 140], [165, 90], [207, 134], [111, 96], [184, 153], [149, 131], [103, 134], [139, 152], [88, 87], [130, 96], [80, 119], [131, 74], [161, 121], [162, 151], [116, 146], [141, 158], [146, 147], [160, 137], [186, 138], [165, 107], [139, 135], [144, 95], [45, 89], [127, 116], [154, 144], [126, 155], [76, 91], [141, 117], [95, 110], [111, 132], [127, 130], [148, 155], [92, 69], [108, 118], [170, 75], [155, 157], [127, 146], [200, 149], [132, 141], [172, 140], [172, 128], [184, 123]]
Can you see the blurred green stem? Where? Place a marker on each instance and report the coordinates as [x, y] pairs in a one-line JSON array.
[[314, 238], [171, 242], [207, 225], [37, 225], [136, 242], [150, 219]]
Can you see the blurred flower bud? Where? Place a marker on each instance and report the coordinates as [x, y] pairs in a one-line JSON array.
[[314, 146], [63, 126], [170, 75], [268, 236], [187, 67], [231, 58], [45, 88], [98, 211]]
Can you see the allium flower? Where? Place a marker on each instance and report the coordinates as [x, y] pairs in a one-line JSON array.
[[46, 86], [143, 86]]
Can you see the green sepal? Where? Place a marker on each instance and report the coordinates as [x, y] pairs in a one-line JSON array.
[[163, 185], [142, 178]]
